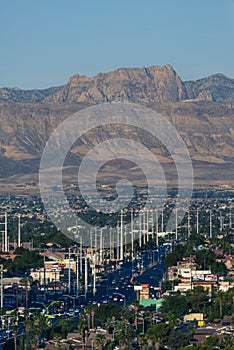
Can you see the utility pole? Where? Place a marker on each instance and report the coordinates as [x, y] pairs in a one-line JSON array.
[[117, 243], [132, 238], [1, 276], [95, 262], [197, 222], [176, 232], [81, 266], [6, 236], [86, 276], [144, 233], [19, 232], [230, 218], [210, 224], [147, 224], [162, 220], [156, 212], [69, 271], [44, 281], [188, 224], [152, 225], [110, 243], [101, 247], [121, 236], [77, 273], [94, 275], [221, 221], [140, 229]]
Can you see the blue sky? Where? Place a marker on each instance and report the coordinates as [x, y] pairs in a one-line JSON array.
[[44, 42]]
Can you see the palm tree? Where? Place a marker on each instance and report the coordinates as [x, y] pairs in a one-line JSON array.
[[34, 329], [83, 329], [89, 310], [93, 314], [27, 282], [172, 319], [136, 308], [15, 331], [142, 340], [124, 333], [100, 340]]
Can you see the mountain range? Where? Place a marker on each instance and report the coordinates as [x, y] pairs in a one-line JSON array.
[[155, 83], [201, 110]]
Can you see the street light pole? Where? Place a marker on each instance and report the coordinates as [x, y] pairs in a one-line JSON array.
[[77, 275], [86, 276], [69, 270], [44, 281], [1, 272]]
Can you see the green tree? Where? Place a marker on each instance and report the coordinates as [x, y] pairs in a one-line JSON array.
[[177, 339], [100, 340], [60, 327], [83, 329], [198, 298], [124, 333], [158, 334], [205, 258], [176, 304]]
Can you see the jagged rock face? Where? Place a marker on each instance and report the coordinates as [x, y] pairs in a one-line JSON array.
[[217, 88], [19, 95], [142, 85], [202, 111], [160, 84]]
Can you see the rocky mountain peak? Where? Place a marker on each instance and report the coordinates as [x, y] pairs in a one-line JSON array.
[[148, 84]]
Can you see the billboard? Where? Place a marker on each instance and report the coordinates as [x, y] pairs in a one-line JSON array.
[[144, 293]]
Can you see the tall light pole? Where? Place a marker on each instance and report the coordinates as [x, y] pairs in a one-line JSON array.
[[77, 274], [110, 243], [117, 242], [44, 281], [69, 270], [101, 246], [121, 236], [6, 235], [94, 275], [210, 224], [1, 276], [156, 213], [86, 276], [162, 220], [144, 226], [81, 266], [197, 222], [140, 241], [19, 231], [230, 218], [147, 224], [132, 238], [221, 221], [152, 224], [188, 224]]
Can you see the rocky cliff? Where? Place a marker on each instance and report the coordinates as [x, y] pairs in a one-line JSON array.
[[202, 111], [146, 85], [159, 84]]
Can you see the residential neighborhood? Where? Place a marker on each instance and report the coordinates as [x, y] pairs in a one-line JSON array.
[[165, 293]]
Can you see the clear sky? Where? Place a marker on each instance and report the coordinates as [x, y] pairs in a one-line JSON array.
[[44, 42]]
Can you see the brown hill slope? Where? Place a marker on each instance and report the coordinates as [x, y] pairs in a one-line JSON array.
[[206, 127], [199, 110]]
